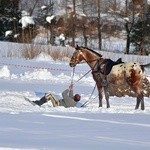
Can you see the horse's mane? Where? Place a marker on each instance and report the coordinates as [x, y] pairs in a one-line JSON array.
[[92, 51]]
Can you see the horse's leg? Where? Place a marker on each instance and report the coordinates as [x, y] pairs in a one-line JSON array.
[[100, 92], [100, 97], [140, 98], [99, 88], [142, 102], [106, 92]]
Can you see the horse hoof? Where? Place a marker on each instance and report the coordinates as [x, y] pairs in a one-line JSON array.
[[142, 108]]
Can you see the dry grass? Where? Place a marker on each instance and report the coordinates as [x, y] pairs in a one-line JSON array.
[[55, 54], [31, 51], [58, 54], [11, 53]]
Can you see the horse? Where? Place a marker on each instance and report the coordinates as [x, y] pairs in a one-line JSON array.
[[108, 73]]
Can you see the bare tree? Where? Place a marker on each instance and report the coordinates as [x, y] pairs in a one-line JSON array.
[[99, 24], [129, 24], [84, 25], [74, 22], [128, 27], [35, 3]]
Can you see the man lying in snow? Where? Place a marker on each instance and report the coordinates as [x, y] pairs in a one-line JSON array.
[[68, 99]]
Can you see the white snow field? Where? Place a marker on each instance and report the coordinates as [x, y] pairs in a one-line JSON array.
[[27, 127]]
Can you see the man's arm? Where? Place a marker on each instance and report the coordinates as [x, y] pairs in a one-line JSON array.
[[68, 97], [71, 91], [65, 93]]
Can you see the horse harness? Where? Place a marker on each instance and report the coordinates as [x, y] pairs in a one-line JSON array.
[[103, 68]]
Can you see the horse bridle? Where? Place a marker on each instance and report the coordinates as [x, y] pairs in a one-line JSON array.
[[98, 62], [78, 62]]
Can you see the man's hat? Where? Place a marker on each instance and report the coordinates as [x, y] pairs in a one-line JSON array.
[[77, 97]]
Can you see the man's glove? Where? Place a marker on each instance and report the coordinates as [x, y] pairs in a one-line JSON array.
[[71, 87]]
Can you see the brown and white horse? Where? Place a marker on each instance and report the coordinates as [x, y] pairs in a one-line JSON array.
[[119, 73]]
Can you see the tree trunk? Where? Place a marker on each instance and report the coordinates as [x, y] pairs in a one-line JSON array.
[[85, 37], [99, 26], [84, 25], [128, 38], [73, 26], [51, 35]]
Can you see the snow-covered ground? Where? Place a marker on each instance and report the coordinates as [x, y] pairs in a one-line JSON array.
[[23, 126]]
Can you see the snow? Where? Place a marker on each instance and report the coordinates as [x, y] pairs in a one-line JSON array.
[[49, 18], [7, 33], [59, 39], [26, 20], [4, 72], [43, 7], [126, 19], [16, 35], [27, 127], [62, 37], [44, 57]]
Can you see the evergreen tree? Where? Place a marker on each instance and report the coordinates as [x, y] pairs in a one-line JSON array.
[[140, 36], [9, 18]]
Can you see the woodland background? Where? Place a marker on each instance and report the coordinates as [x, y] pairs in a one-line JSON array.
[[83, 22]]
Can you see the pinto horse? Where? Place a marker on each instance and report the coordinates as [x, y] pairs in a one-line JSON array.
[[108, 73]]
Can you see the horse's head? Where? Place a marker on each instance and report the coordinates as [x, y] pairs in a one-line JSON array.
[[77, 57]]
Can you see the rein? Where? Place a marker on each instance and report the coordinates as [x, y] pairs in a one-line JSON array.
[[85, 73], [93, 71], [88, 101], [92, 60], [72, 75], [82, 76]]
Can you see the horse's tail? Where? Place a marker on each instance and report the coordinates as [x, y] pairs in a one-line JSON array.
[[145, 66]]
